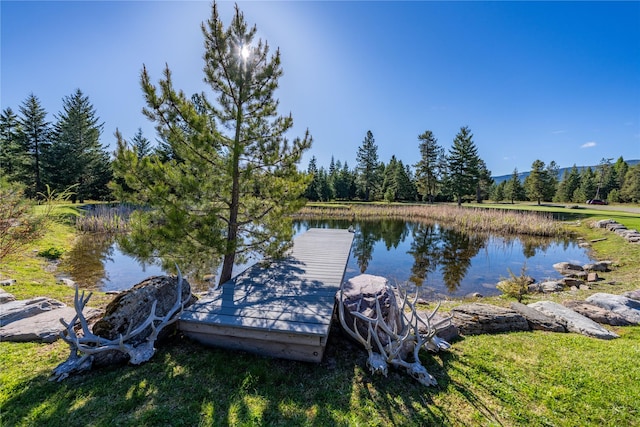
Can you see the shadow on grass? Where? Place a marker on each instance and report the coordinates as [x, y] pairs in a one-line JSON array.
[[187, 384]]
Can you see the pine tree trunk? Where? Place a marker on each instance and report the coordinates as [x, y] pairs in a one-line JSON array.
[[232, 230]]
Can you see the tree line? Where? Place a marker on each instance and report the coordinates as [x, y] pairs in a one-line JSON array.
[[68, 154], [37, 154], [460, 175]]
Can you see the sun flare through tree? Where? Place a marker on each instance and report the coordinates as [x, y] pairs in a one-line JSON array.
[[227, 178]]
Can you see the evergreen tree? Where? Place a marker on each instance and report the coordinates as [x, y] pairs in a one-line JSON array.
[[630, 192], [497, 191], [513, 189], [141, 145], [484, 182], [587, 188], [12, 158], [368, 168], [430, 166], [541, 183], [76, 157], [408, 189], [389, 181], [463, 165], [551, 181], [621, 167], [344, 183], [397, 183], [569, 184], [312, 191], [35, 140], [234, 179], [325, 189], [332, 167], [606, 179]]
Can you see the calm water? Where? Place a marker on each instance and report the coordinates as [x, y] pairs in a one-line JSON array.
[[441, 261]]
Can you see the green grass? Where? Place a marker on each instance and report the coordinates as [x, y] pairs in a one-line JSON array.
[[517, 379], [531, 378]]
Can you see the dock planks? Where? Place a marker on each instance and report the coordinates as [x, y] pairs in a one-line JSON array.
[[282, 311]]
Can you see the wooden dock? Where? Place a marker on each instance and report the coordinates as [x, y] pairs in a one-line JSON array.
[[282, 311]]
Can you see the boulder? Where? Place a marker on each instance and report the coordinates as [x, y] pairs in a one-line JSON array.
[[597, 314], [570, 281], [360, 294], [477, 318], [19, 309], [592, 277], [550, 286], [44, 326], [603, 223], [566, 268], [534, 288], [68, 282], [601, 266], [573, 321], [131, 308], [6, 297], [446, 329], [474, 295], [634, 295], [537, 320], [626, 307], [616, 227], [7, 282]]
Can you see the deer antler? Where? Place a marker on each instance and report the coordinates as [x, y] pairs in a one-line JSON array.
[[376, 362], [84, 347], [403, 337]]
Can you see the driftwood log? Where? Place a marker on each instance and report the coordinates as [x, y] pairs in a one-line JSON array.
[[136, 344]]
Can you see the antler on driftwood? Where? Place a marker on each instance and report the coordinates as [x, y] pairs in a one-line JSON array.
[[84, 346], [390, 341]]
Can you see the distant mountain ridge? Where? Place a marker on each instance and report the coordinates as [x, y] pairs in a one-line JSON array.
[[561, 171]]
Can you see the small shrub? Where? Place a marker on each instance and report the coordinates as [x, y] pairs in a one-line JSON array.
[[516, 286], [51, 253]]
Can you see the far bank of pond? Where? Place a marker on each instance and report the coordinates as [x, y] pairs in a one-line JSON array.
[[441, 261]]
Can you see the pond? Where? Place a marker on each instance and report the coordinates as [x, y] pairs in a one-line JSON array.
[[442, 262]]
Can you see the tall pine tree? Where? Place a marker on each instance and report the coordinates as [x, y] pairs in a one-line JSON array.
[[430, 166], [513, 188], [233, 180], [76, 157], [141, 145], [368, 177], [13, 159], [36, 132], [542, 181], [463, 165]]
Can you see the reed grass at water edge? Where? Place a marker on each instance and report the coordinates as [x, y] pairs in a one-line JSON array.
[[471, 219]]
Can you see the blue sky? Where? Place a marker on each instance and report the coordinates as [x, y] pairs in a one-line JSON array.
[[533, 80]]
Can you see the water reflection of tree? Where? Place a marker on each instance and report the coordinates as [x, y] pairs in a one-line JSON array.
[[195, 261], [531, 245], [457, 250], [368, 233], [392, 232], [85, 262], [363, 243], [425, 250]]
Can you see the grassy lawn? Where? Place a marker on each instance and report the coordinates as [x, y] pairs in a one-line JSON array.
[[529, 378]]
